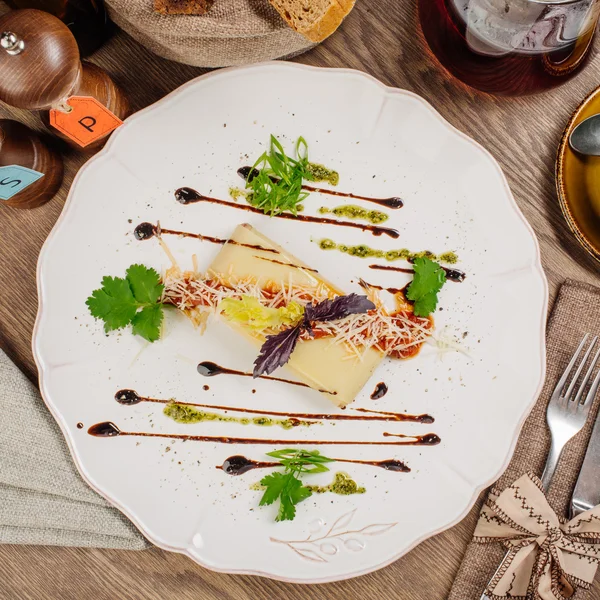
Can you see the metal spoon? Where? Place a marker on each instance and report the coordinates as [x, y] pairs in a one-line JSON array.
[[585, 138]]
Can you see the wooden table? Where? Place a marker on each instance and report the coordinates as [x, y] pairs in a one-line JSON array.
[[382, 38]]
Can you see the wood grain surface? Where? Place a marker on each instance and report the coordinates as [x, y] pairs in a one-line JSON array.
[[22, 146], [382, 38]]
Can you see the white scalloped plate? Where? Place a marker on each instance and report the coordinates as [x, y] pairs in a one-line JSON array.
[[384, 142]]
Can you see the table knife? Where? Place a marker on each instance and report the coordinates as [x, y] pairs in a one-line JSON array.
[[586, 494]]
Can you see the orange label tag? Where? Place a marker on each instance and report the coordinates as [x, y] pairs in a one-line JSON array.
[[87, 122]]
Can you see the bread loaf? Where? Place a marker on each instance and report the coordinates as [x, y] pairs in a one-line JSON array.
[[314, 19]]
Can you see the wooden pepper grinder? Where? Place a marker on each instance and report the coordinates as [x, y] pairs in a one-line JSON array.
[[30, 173], [41, 70]]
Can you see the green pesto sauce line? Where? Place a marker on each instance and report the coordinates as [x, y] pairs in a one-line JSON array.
[[342, 484], [351, 211], [363, 251], [182, 413]]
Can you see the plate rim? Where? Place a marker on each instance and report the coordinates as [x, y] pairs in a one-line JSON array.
[[536, 268]]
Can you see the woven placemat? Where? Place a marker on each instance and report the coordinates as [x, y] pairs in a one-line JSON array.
[[234, 32]]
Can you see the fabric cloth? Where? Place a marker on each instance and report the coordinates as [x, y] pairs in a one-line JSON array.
[[575, 312], [233, 32], [43, 499]]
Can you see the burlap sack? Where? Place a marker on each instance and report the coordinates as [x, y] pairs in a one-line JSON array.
[[234, 32]]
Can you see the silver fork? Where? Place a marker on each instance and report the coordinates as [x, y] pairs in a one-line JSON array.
[[567, 413]]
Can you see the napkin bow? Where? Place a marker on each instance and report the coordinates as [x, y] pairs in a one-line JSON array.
[[548, 557]]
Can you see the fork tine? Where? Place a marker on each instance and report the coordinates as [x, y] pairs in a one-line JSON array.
[[587, 377], [589, 399], [561, 382], [579, 369]]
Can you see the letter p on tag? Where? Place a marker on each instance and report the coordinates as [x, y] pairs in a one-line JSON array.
[[87, 122]]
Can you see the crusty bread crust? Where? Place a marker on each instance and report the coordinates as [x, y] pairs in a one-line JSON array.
[[326, 25], [182, 7]]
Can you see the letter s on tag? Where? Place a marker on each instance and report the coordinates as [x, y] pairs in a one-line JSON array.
[[14, 179], [88, 121]]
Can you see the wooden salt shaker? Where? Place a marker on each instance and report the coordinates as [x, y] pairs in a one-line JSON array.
[[41, 69], [22, 147]]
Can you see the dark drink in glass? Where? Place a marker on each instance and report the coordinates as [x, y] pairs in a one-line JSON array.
[[510, 47]]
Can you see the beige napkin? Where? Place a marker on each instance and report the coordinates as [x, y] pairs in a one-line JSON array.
[[576, 312], [43, 499]]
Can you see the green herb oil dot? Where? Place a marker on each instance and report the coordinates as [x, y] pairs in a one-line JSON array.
[[342, 484], [327, 244]]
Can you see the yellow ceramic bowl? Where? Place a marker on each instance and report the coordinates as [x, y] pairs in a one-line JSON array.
[[578, 182]]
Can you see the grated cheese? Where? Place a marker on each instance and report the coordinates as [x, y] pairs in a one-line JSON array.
[[395, 334]]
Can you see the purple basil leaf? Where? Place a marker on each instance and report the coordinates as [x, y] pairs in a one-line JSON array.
[[340, 307], [276, 350]]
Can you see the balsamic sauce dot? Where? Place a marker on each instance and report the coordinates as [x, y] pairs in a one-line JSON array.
[[237, 465], [106, 429], [209, 369], [381, 389], [455, 275], [247, 173], [144, 231], [430, 439], [393, 465], [394, 202], [186, 195], [127, 397]]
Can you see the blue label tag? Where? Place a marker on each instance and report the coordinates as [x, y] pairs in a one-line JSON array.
[[14, 179]]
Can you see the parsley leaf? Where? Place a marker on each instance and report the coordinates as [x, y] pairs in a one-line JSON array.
[[113, 303], [118, 302], [293, 492], [274, 484], [287, 486], [147, 322], [145, 284], [288, 489], [428, 281]]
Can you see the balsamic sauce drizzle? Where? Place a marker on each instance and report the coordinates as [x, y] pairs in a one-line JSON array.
[[287, 264], [451, 274], [186, 195], [145, 231], [392, 290], [131, 397], [429, 439], [238, 464], [248, 173], [211, 369], [424, 418], [109, 429]]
